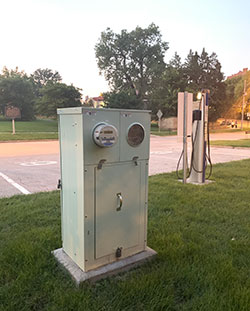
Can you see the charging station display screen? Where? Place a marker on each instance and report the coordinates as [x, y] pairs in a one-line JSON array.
[[136, 134]]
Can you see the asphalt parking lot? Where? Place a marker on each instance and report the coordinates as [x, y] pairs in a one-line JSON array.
[[28, 167]]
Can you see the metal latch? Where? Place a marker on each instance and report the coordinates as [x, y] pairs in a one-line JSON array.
[[135, 160], [59, 185], [119, 203], [101, 162], [118, 252]]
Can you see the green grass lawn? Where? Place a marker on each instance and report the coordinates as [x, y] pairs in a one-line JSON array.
[[225, 130], [155, 131], [201, 234], [232, 143], [29, 130], [47, 129]]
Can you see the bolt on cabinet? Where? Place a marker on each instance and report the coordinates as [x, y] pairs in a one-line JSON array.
[[104, 177]]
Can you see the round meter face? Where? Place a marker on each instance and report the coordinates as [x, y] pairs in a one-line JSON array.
[[105, 135], [136, 134]]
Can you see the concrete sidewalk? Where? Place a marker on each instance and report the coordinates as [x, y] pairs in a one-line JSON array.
[[229, 136]]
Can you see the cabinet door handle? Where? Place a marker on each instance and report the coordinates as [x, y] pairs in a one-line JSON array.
[[119, 197]]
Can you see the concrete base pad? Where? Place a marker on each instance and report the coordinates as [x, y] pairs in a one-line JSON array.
[[78, 275], [207, 181]]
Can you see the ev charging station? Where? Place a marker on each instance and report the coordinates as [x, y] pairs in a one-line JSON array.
[[200, 141], [198, 131], [104, 157]]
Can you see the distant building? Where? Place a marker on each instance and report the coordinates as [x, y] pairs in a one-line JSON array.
[[96, 102], [240, 73]]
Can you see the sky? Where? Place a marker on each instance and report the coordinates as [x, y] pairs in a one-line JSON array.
[[61, 34]]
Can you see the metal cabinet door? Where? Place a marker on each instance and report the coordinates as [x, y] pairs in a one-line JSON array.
[[93, 153], [116, 227], [127, 119]]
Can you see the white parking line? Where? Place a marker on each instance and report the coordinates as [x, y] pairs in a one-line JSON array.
[[37, 163], [14, 184]]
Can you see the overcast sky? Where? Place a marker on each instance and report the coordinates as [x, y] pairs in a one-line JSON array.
[[61, 34]]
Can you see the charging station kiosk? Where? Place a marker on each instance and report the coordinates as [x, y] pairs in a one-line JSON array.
[[200, 141], [193, 123], [104, 157]]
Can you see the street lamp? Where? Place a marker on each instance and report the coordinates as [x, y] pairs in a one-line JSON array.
[[199, 95]]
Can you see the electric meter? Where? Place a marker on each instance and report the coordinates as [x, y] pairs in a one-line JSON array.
[[136, 134], [105, 135]]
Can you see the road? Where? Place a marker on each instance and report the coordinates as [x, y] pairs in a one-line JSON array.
[[165, 151], [28, 167]]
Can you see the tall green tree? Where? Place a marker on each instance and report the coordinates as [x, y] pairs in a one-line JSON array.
[[43, 76], [122, 100], [11, 73], [166, 94], [232, 87], [132, 62], [17, 90], [57, 95], [204, 72], [40, 78], [234, 96], [192, 71]]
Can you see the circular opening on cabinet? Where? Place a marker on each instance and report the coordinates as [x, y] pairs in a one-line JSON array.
[[136, 134]]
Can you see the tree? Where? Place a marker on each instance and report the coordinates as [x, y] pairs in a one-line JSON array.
[[43, 76], [234, 96], [122, 100], [204, 72], [11, 73], [192, 71], [166, 94], [57, 95], [17, 91], [132, 62]]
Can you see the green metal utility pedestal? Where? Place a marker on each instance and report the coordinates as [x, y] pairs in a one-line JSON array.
[[104, 184]]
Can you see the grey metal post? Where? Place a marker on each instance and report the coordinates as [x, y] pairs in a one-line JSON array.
[[13, 127], [185, 138], [243, 104]]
